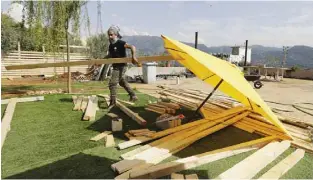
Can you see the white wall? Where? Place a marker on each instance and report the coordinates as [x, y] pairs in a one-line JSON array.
[[240, 57]]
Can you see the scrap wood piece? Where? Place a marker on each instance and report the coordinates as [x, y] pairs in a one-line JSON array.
[[78, 103], [90, 113], [134, 131], [191, 176], [112, 115], [299, 143], [133, 142], [159, 109], [177, 176], [100, 136], [284, 166], [125, 165], [84, 103], [249, 167], [131, 114], [74, 98], [25, 99], [107, 97], [7, 118], [109, 141]]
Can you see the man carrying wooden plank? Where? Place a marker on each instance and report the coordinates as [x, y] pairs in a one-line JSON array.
[[117, 49]]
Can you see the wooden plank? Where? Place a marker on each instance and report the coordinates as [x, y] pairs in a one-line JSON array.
[[170, 105], [249, 167], [7, 118], [94, 109], [112, 115], [89, 62], [162, 170], [191, 176], [185, 163], [100, 136], [74, 98], [284, 166], [131, 114], [26, 99], [133, 142], [138, 131], [177, 176], [109, 141], [84, 103], [156, 111], [125, 165], [78, 103], [187, 138], [126, 102], [89, 110]]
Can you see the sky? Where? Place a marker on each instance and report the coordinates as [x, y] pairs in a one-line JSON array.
[[268, 23]]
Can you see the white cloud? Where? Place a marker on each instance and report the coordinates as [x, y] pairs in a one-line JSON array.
[[15, 11], [235, 30], [130, 31]]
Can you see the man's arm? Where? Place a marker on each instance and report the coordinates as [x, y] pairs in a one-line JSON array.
[[133, 51]]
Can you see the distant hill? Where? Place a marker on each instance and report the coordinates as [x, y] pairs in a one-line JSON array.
[[298, 55]]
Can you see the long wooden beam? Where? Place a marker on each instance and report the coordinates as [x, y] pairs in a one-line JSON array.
[[89, 62]]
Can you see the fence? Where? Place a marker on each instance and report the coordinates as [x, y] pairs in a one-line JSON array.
[[33, 57]]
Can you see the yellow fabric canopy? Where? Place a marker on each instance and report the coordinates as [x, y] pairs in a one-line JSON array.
[[212, 70]]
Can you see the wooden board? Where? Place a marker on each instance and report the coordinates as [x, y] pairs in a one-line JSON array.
[[177, 176], [91, 109], [191, 176], [249, 167], [112, 115], [100, 136], [7, 118], [26, 99], [284, 166], [78, 103], [89, 62], [131, 114], [84, 103], [109, 141]]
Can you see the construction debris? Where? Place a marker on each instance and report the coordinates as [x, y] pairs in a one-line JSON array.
[[133, 134], [87, 104], [166, 121]]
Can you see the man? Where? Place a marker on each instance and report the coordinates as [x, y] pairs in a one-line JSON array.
[[117, 49]]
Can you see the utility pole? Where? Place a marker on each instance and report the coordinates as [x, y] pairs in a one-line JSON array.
[[196, 40], [246, 53], [285, 50]]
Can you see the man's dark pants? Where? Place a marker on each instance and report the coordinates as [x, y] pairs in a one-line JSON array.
[[118, 77]]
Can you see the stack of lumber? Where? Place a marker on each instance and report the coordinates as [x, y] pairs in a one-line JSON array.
[[87, 104], [175, 139], [132, 134], [163, 107], [253, 123]]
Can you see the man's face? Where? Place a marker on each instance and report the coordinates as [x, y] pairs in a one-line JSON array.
[[112, 36]]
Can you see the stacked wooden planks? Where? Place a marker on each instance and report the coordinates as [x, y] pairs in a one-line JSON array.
[[132, 134], [163, 107], [253, 123]]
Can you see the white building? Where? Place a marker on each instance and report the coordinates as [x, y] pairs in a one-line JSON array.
[[238, 54]]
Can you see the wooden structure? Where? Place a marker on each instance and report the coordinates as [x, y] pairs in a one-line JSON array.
[[35, 57]]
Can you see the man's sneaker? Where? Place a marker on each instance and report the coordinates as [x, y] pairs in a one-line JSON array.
[[133, 98]]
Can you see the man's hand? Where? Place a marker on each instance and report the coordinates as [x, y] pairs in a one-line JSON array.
[[135, 61]]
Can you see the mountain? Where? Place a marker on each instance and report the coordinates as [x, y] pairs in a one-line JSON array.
[[298, 55]]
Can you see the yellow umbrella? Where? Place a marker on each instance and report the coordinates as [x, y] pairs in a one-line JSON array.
[[222, 75]]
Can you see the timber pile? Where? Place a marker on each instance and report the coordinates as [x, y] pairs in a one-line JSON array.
[[131, 134], [253, 123], [87, 104], [163, 107], [173, 140]]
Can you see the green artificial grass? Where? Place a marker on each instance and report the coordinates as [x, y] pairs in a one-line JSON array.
[[50, 141]]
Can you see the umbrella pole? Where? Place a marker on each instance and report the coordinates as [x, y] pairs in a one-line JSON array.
[[207, 98]]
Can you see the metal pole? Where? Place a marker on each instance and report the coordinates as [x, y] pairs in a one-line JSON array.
[[246, 53], [206, 99], [196, 40]]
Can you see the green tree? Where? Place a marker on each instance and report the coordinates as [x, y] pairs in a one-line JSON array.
[[98, 45], [9, 33], [56, 16]]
